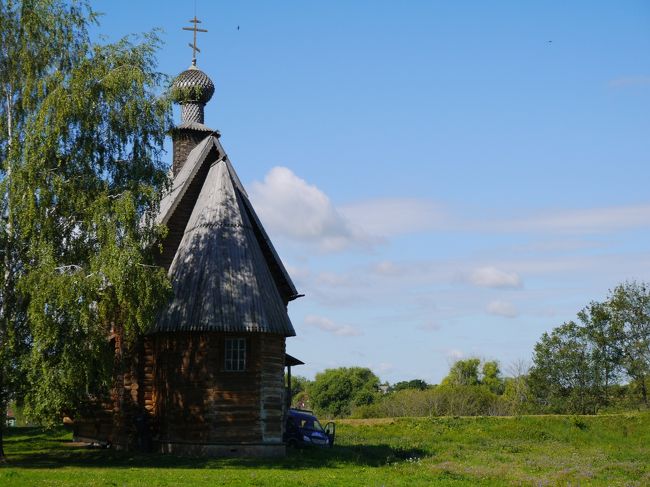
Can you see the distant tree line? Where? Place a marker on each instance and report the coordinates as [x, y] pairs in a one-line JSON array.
[[472, 387], [599, 362]]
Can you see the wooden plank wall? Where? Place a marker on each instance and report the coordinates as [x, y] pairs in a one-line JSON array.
[[194, 400], [177, 381], [271, 371], [94, 423]]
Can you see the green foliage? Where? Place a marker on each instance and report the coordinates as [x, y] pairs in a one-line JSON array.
[[471, 388], [517, 396], [566, 375], [184, 94], [298, 383], [577, 366], [603, 346], [463, 373], [418, 384], [336, 392], [629, 314], [491, 377], [37, 39], [299, 386], [82, 178], [445, 400], [466, 373]]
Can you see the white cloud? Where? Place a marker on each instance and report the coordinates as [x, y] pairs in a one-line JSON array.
[[576, 222], [387, 217], [492, 277], [329, 326], [293, 208], [502, 308]]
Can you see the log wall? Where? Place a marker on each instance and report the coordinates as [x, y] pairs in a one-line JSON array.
[[172, 394], [195, 401]]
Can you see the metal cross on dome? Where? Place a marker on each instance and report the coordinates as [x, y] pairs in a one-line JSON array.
[[193, 45]]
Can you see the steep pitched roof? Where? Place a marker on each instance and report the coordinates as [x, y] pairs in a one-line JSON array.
[[225, 272], [183, 179]]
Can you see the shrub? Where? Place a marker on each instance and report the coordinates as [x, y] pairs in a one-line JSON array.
[[438, 401]]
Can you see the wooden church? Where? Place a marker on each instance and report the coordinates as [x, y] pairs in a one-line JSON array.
[[209, 378]]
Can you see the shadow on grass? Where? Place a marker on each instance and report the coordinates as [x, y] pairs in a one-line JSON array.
[[35, 448]]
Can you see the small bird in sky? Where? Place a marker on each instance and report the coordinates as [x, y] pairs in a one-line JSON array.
[[237, 27]]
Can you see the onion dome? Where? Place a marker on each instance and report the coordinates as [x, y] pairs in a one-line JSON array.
[[192, 89], [192, 85]]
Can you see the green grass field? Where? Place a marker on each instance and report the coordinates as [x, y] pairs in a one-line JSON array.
[[529, 450]]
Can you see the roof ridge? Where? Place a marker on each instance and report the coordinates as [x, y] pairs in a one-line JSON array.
[[184, 178]]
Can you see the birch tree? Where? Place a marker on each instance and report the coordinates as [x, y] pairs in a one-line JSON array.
[[82, 128], [36, 39]]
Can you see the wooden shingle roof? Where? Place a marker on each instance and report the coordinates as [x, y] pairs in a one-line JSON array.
[[225, 273]]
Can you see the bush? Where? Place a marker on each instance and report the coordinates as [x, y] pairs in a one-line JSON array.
[[438, 401], [336, 392]]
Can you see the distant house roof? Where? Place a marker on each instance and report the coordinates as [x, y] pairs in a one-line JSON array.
[[225, 273]]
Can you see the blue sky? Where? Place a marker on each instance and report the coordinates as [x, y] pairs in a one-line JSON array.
[[442, 179]]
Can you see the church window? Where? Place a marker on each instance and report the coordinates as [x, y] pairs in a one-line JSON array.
[[235, 354]]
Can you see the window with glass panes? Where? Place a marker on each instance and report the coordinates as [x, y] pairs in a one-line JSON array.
[[235, 354]]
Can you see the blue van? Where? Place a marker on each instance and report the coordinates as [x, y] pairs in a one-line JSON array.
[[304, 429]]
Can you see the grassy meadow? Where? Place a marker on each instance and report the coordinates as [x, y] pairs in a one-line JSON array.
[[473, 451]]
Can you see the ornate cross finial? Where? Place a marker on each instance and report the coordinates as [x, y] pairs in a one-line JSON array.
[[195, 29]]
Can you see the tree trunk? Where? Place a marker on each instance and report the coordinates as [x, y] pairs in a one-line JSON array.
[[3, 418], [3, 406], [3, 459], [9, 120]]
